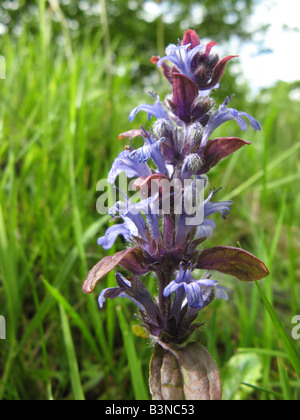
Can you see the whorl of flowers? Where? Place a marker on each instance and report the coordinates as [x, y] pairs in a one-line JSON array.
[[180, 147]]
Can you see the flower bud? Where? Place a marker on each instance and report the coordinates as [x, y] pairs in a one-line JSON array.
[[213, 60], [194, 135], [161, 129], [191, 165]]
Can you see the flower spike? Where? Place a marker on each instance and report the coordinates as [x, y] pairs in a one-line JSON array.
[[171, 214]]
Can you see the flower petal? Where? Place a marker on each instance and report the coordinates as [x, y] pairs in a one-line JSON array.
[[221, 292], [171, 288], [130, 165], [110, 293], [126, 229], [194, 295], [224, 114], [181, 56], [157, 110], [222, 207], [205, 230], [165, 67]]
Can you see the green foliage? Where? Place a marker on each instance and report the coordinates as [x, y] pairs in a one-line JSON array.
[[135, 18], [240, 368], [66, 98]]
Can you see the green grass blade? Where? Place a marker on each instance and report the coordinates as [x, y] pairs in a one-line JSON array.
[[263, 352], [272, 165], [61, 278], [284, 380], [75, 317], [137, 378], [286, 341], [264, 390], [71, 355]]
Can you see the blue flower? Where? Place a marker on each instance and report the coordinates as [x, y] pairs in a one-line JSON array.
[[224, 114], [151, 150], [207, 226], [156, 110], [206, 229], [135, 224], [181, 56], [114, 292], [131, 165], [128, 229], [129, 211], [195, 290], [222, 207], [134, 290]]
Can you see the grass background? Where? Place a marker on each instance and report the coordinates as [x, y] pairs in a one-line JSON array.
[[61, 110]]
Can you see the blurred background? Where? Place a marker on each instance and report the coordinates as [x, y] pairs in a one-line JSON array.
[[74, 70]]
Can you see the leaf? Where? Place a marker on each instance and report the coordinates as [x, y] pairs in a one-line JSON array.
[[185, 93], [233, 261], [184, 373], [130, 259], [246, 367], [218, 149]]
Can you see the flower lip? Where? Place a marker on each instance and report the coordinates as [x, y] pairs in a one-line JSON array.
[[157, 110], [195, 290], [131, 166], [126, 229], [224, 114]]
